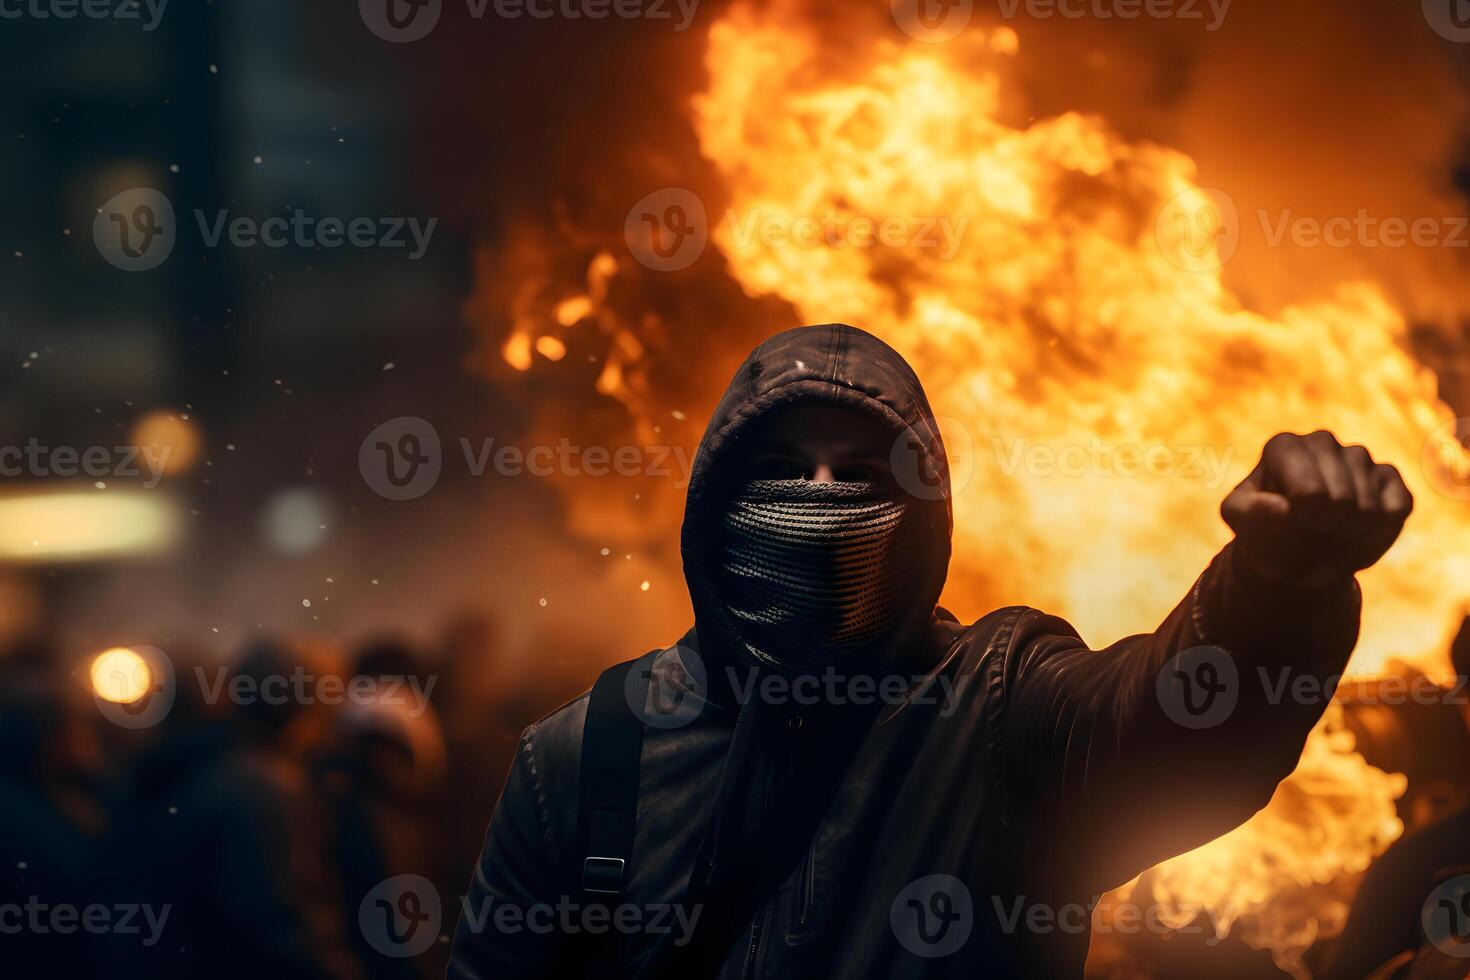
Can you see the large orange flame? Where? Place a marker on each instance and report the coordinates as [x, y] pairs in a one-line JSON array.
[[1059, 290], [1075, 331]]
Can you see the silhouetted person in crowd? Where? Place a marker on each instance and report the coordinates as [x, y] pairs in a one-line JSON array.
[[384, 758], [829, 776], [50, 822], [218, 826], [1414, 877], [488, 687]]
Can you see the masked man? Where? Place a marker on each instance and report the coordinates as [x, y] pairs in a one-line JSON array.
[[829, 776]]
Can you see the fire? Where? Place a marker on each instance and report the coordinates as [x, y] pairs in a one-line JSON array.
[[1066, 319], [1058, 288], [1076, 321], [1332, 816]]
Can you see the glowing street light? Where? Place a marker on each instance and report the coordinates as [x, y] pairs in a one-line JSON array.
[[121, 675]]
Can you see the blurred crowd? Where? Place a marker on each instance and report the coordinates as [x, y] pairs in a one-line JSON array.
[[244, 835]]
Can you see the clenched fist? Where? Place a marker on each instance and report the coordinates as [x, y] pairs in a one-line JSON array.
[[1314, 511]]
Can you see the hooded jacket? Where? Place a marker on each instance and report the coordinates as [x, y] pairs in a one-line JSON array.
[[951, 811]]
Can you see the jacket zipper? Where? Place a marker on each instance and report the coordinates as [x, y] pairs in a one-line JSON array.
[[758, 928], [805, 888], [804, 880]]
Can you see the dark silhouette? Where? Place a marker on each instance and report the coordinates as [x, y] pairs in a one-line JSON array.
[[217, 825], [382, 760], [1387, 920], [50, 821]]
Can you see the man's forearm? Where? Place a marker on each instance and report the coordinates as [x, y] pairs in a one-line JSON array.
[[1165, 740]]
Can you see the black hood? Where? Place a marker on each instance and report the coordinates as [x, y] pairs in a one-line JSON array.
[[839, 365]]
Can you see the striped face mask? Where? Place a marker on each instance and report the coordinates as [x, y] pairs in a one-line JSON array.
[[815, 572]]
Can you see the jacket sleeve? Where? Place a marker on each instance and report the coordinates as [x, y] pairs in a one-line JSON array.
[[1125, 756], [508, 923], [1385, 918]]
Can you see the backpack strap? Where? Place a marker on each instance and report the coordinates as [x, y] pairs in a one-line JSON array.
[[607, 800]]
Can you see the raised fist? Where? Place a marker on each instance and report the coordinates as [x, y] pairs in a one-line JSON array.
[[1314, 511]]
